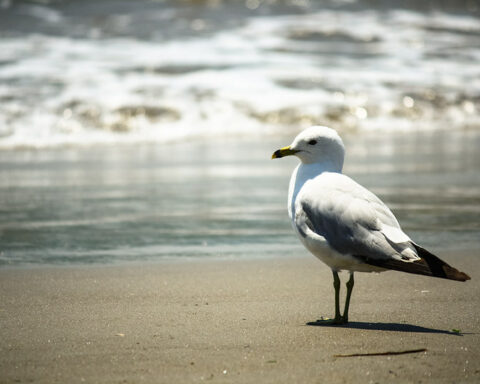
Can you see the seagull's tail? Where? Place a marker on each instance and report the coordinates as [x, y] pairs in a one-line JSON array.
[[434, 266], [428, 265]]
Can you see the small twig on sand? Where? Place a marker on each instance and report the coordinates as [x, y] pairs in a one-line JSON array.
[[384, 353]]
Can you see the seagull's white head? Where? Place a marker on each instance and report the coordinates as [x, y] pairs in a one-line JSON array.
[[316, 145]]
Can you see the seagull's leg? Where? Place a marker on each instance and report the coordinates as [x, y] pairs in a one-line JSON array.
[[349, 284], [338, 319], [336, 285]]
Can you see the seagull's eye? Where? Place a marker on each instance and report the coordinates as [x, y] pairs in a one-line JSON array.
[[312, 142]]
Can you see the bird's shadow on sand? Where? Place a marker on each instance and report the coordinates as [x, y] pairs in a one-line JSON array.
[[394, 327]]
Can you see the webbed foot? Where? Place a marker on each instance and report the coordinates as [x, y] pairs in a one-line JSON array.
[[340, 320]]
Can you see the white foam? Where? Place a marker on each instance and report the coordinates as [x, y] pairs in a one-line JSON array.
[[59, 92]]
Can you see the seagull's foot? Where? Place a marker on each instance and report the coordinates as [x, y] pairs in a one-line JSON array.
[[340, 320]]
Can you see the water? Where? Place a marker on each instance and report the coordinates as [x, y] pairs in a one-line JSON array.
[[88, 72], [221, 199], [142, 130]]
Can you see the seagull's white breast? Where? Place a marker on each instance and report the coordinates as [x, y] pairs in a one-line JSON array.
[[316, 245]]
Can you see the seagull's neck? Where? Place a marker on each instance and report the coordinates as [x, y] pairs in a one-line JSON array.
[[302, 174], [320, 167], [305, 172]]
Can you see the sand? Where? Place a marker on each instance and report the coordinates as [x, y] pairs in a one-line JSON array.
[[234, 322]]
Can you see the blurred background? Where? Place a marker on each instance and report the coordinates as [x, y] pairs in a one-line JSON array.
[[142, 130]]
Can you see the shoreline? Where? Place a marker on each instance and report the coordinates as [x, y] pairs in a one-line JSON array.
[[234, 321], [301, 253]]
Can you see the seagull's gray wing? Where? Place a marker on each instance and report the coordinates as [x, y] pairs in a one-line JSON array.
[[357, 223], [352, 219]]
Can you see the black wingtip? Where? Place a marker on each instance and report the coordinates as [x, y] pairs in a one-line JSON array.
[[438, 267], [428, 265]]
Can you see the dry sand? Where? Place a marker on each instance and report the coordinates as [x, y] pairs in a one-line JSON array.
[[234, 321]]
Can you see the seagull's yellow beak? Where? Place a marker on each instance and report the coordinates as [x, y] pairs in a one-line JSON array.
[[282, 152]]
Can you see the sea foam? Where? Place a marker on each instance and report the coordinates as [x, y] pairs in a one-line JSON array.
[[366, 69]]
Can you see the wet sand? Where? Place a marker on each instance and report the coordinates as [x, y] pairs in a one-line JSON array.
[[234, 321]]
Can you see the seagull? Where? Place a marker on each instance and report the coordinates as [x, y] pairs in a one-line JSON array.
[[344, 224]]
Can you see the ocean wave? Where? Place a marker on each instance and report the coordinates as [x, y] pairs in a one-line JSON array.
[[351, 70]]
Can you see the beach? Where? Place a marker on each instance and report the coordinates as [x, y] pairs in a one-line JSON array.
[[176, 263], [144, 233], [234, 321]]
